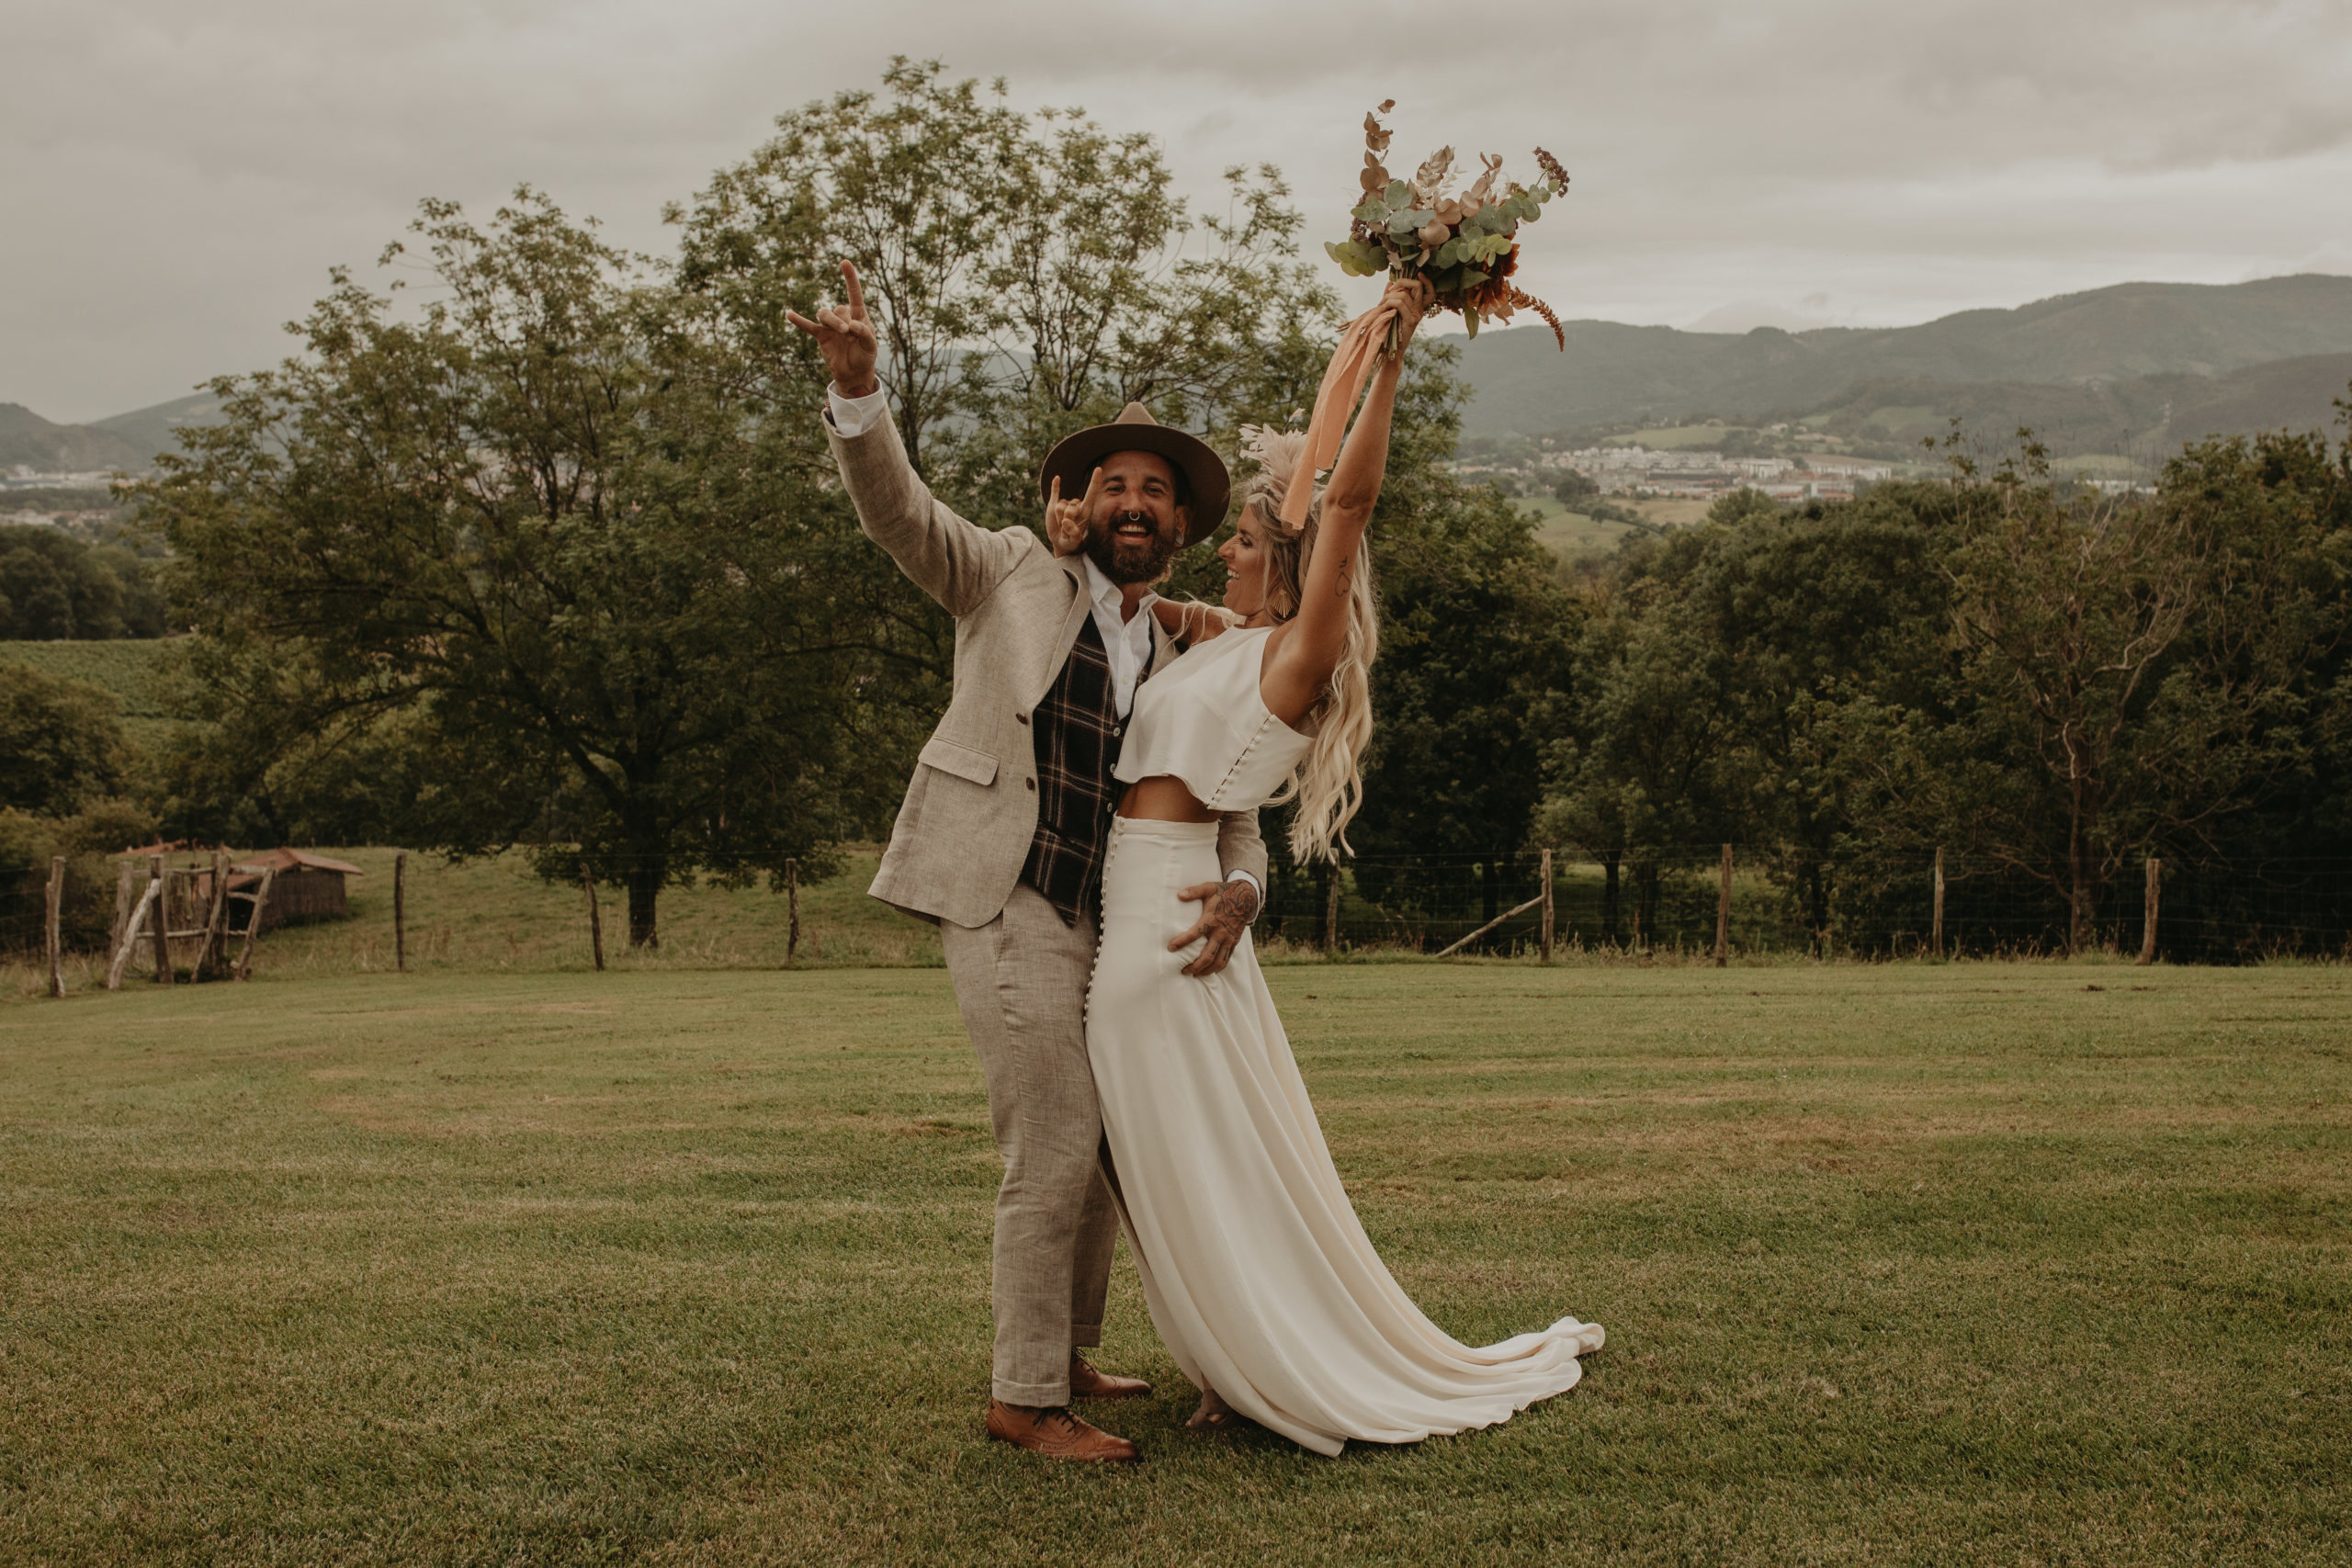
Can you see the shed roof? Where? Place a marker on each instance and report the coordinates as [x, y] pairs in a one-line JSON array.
[[284, 858]]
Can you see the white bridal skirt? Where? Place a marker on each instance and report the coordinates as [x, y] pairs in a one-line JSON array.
[[1260, 1277]]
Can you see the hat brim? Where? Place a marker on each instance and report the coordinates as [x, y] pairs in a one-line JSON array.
[[1075, 458]]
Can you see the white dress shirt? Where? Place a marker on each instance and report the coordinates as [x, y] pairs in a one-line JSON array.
[[1126, 642]]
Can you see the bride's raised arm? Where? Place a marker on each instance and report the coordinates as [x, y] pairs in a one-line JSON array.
[[1304, 650]]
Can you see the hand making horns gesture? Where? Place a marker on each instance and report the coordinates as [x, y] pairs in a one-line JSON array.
[[844, 335], [1066, 521]]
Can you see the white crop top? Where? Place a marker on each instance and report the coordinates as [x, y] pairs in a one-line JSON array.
[[1201, 718]]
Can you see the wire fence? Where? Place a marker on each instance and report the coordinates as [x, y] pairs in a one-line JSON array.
[[415, 910]]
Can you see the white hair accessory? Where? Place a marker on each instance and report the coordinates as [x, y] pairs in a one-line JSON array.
[[1277, 454]]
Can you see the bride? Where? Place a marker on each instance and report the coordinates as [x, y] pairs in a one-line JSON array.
[[1259, 1276]]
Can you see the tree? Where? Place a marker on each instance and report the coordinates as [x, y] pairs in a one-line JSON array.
[[1027, 276], [1574, 489], [1475, 638], [62, 743], [565, 539], [54, 586]]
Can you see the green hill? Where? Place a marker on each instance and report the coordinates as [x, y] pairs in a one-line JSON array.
[[2190, 343], [130, 668], [128, 441], [156, 428], [29, 439]]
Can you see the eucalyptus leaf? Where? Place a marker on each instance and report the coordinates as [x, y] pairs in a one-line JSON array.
[[1398, 197]]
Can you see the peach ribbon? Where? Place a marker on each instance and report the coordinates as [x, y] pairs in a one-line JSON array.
[[1351, 365]]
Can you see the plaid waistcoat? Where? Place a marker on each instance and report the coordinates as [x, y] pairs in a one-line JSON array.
[[1075, 730]]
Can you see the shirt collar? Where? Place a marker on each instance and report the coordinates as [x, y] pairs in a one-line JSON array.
[[1105, 592]]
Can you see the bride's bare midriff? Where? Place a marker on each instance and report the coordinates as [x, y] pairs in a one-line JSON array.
[[1163, 798]]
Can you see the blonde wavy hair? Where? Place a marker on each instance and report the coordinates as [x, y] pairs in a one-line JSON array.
[[1328, 783]]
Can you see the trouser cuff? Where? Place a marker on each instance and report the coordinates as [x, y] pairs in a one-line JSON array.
[[1085, 1335], [1043, 1394]]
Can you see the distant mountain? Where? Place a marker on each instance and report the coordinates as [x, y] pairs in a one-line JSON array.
[[2148, 416], [29, 439], [2134, 331], [156, 429], [125, 441]]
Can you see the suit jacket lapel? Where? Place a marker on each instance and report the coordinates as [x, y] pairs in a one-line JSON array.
[[1080, 607]]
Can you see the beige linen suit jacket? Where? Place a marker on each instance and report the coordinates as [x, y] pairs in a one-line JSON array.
[[962, 833]]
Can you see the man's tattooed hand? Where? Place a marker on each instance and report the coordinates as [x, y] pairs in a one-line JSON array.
[[1226, 910]]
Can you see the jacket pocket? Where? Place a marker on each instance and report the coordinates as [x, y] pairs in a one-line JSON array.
[[960, 761]]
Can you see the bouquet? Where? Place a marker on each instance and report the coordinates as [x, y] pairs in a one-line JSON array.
[[1466, 245]]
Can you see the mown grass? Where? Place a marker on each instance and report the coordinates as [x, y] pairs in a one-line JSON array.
[[1970, 1263]]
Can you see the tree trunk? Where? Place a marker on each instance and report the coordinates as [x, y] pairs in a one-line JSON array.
[[645, 876], [1609, 895], [1816, 907], [2078, 891]]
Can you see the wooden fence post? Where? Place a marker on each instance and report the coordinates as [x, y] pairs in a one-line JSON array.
[[400, 912], [596, 921], [130, 942], [2148, 918], [162, 920], [214, 955], [1332, 911], [1547, 906], [51, 930], [253, 922], [1935, 937], [1723, 915], [791, 911], [125, 875]]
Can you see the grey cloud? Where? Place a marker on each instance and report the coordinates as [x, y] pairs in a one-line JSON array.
[[179, 179]]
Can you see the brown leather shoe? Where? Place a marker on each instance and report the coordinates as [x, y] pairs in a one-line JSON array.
[[1085, 1383], [1056, 1434]]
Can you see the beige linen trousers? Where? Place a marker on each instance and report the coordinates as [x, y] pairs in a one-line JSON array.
[[955, 857]]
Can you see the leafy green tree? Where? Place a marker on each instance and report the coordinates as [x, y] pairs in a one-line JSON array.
[[62, 743], [1028, 275], [568, 541], [1575, 490], [1475, 642], [54, 586]]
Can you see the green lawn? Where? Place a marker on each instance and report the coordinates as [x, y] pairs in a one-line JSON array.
[[1967, 1263]]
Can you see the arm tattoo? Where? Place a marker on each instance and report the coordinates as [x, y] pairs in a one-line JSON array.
[[1239, 903]]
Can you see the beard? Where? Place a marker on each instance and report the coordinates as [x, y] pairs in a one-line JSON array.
[[1132, 560]]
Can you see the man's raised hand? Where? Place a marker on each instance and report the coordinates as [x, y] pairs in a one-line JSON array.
[[1066, 521], [844, 335]]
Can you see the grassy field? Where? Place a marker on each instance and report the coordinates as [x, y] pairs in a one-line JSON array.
[[1971, 1263], [125, 667]]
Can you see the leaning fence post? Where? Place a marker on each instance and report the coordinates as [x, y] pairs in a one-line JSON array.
[[1332, 911], [791, 910], [1547, 906], [125, 875], [162, 920], [400, 912], [1936, 934], [2148, 920], [215, 952], [56, 945], [130, 942], [253, 922], [596, 921], [1723, 915]]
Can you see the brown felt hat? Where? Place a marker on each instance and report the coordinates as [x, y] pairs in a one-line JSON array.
[[1074, 460]]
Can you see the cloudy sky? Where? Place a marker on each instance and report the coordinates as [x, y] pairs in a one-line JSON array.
[[177, 178]]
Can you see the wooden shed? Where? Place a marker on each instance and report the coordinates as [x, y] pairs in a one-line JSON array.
[[307, 887]]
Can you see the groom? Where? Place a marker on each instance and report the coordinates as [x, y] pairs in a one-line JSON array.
[[1000, 837]]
